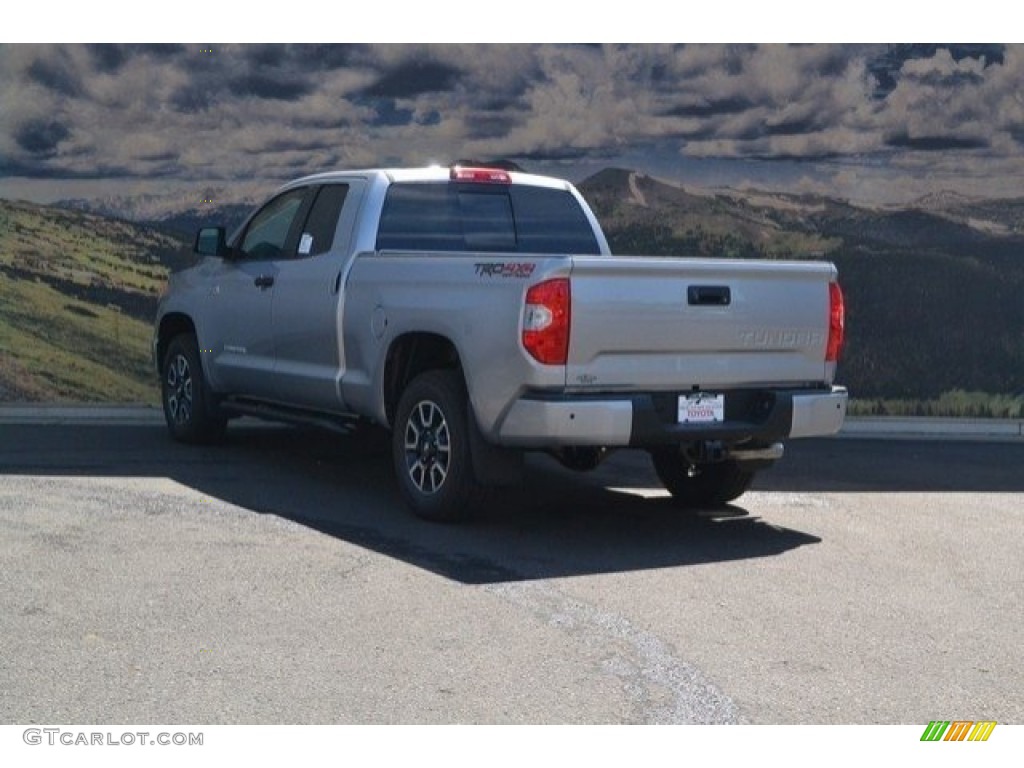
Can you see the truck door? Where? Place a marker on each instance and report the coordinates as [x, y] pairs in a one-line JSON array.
[[308, 296], [241, 298]]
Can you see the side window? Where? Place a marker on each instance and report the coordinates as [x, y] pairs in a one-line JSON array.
[[267, 233], [322, 223]]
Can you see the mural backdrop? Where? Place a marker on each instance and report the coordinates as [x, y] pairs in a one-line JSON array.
[[900, 163]]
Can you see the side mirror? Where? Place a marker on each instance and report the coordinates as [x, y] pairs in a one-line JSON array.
[[211, 241]]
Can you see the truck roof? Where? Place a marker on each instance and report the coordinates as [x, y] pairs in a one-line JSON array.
[[429, 173]]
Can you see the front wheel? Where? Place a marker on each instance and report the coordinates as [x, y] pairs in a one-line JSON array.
[[430, 448], [188, 406], [703, 486]]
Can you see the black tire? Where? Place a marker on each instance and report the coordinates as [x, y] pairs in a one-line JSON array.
[[713, 485], [189, 409], [430, 448]]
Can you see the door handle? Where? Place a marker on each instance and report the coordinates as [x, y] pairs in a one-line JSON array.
[[264, 281]]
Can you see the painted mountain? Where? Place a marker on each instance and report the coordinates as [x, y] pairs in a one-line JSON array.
[[934, 289]]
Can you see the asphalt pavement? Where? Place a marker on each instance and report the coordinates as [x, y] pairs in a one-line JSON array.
[[277, 578]]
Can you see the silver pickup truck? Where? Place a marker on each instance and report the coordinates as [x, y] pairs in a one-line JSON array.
[[478, 313]]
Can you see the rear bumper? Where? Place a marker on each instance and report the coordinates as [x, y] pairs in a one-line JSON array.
[[542, 420], [821, 414]]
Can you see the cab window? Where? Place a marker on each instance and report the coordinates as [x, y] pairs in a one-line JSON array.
[[267, 234], [322, 222], [478, 217]]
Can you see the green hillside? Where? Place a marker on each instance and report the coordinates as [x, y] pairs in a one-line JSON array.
[[77, 297]]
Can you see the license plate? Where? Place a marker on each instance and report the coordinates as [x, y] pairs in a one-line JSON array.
[[701, 408]]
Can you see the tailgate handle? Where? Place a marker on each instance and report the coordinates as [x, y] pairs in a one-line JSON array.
[[710, 295]]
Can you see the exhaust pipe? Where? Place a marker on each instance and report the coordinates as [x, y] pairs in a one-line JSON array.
[[773, 452], [714, 452]]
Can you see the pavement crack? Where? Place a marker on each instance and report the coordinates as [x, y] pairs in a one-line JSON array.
[[659, 687]]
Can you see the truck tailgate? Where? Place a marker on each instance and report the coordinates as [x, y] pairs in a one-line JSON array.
[[657, 324]]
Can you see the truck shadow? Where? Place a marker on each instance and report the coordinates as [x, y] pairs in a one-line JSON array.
[[857, 465], [557, 524], [553, 526]]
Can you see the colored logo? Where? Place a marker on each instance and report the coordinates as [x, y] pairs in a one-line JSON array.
[[958, 730]]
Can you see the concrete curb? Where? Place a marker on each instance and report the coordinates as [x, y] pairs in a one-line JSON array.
[[83, 415], [874, 427], [924, 427]]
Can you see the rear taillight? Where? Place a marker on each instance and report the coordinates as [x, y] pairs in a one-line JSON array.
[[546, 320], [836, 323]]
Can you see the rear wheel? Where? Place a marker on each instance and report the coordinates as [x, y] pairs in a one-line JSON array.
[[430, 448], [188, 404], [701, 485]]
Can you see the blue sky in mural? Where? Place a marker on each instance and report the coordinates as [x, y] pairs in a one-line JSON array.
[[881, 123]]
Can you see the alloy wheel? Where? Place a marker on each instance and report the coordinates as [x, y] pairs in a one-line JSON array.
[[427, 447], [179, 390]]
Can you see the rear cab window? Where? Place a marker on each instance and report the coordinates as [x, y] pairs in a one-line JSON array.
[[322, 222], [453, 216]]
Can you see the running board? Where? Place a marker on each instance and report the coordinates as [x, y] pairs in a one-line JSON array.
[[342, 424]]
